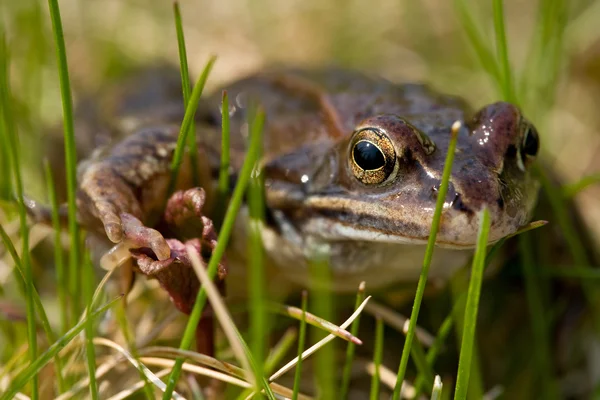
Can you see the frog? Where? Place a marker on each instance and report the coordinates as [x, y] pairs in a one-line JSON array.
[[352, 165]]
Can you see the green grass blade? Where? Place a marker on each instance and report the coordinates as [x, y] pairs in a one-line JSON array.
[[39, 307], [420, 360], [301, 340], [559, 209], [88, 279], [459, 287], [436, 392], [322, 305], [13, 142], [350, 349], [185, 84], [188, 118], [59, 262], [544, 59], [25, 376], [232, 210], [410, 334], [476, 38], [5, 168], [70, 153], [377, 356], [121, 316], [257, 286], [569, 271], [506, 83], [541, 342], [223, 188], [569, 191], [280, 350], [434, 350], [471, 310]]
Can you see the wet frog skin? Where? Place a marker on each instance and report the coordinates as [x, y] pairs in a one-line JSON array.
[[352, 166]]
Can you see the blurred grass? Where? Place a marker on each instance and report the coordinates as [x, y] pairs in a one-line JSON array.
[[12, 143], [360, 36]]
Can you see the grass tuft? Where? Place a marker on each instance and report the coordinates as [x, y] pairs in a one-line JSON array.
[[13, 142], [26, 375]]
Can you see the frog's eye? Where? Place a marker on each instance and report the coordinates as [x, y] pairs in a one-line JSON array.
[[531, 142], [529, 146], [372, 156]]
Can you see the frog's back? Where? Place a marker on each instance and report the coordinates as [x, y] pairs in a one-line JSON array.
[[296, 103]]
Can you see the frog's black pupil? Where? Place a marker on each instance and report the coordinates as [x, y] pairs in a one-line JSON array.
[[532, 142], [368, 156]]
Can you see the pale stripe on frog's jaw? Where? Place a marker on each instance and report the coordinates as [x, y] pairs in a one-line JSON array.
[[341, 219]]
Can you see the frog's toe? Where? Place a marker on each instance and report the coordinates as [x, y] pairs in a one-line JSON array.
[[109, 217], [142, 236]]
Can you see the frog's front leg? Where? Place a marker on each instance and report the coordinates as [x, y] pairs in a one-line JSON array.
[[111, 190]]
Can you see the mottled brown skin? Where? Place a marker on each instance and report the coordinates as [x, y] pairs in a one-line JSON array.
[[314, 196]]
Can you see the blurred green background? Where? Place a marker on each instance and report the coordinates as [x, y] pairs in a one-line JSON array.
[[401, 40]]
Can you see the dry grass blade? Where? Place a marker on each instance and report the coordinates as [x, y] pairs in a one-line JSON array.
[[388, 378], [83, 384], [222, 315], [137, 386], [98, 291], [196, 369], [166, 363], [149, 374], [313, 320], [398, 322], [197, 357], [319, 344]]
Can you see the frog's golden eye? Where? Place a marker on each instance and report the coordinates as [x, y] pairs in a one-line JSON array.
[[372, 156]]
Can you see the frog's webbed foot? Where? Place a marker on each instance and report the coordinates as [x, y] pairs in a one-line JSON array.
[[186, 205], [175, 273]]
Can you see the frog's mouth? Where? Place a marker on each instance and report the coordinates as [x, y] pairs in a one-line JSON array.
[[342, 218]]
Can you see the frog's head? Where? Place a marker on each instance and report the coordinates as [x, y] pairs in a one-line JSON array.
[[381, 182]]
